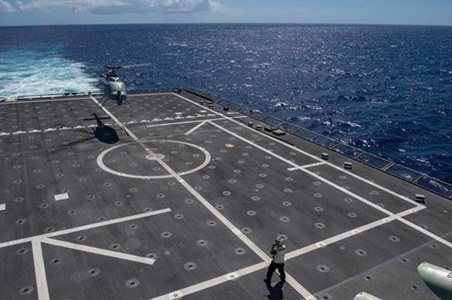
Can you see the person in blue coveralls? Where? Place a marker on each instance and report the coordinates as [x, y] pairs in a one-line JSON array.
[[278, 253]]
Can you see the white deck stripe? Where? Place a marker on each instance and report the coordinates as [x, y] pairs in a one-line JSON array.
[[189, 122], [114, 254], [306, 166], [40, 271], [2, 207], [80, 228], [351, 232], [195, 128], [426, 232]]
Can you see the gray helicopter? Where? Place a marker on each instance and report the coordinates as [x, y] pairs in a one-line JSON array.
[[114, 89]]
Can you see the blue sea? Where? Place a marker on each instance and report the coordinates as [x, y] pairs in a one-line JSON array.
[[384, 89]]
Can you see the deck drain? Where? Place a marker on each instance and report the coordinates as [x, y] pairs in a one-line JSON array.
[[256, 198], [287, 203], [320, 225], [381, 205], [361, 252], [265, 166], [368, 277], [205, 177], [226, 193], [133, 190], [22, 251], [189, 201], [190, 266], [151, 255], [326, 297], [241, 162], [50, 229], [237, 171], [201, 243], [119, 203], [289, 179], [268, 157], [251, 213], [55, 261], [178, 216], [132, 283], [26, 290], [82, 179], [166, 234], [393, 238], [175, 295], [212, 167], [263, 175], [288, 190], [19, 199], [405, 260], [414, 287], [160, 196], [43, 205], [373, 193], [284, 219], [434, 246], [80, 238], [232, 181], [101, 219], [133, 226], [40, 186], [211, 223], [107, 184], [90, 197], [239, 251], [93, 272], [351, 215], [318, 195], [318, 208], [198, 188], [317, 183], [219, 206], [323, 268], [114, 247], [349, 200], [259, 186], [246, 230]]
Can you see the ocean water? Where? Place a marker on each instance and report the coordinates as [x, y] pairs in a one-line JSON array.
[[384, 89]]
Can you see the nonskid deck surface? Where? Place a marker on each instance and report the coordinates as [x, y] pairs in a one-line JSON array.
[[186, 203]]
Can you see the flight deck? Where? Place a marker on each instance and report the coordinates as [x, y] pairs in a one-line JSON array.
[[178, 197]]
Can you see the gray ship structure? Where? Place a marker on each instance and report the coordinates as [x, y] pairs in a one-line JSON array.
[[176, 195]]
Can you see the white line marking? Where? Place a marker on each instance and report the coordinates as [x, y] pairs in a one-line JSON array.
[[306, 166], [63, 196], [188, 122], [2, 207], [40, 271], [216, 281], [299, 288], [114, 254], [195, 128], [85, 227], [350, 233], [426, 232]]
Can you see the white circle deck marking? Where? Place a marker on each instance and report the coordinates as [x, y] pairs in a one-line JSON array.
[[153, 157]]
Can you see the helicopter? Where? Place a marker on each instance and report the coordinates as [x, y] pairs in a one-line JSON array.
[[114, 89]]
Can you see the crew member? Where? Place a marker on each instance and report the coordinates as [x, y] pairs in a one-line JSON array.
[[278, 253]]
